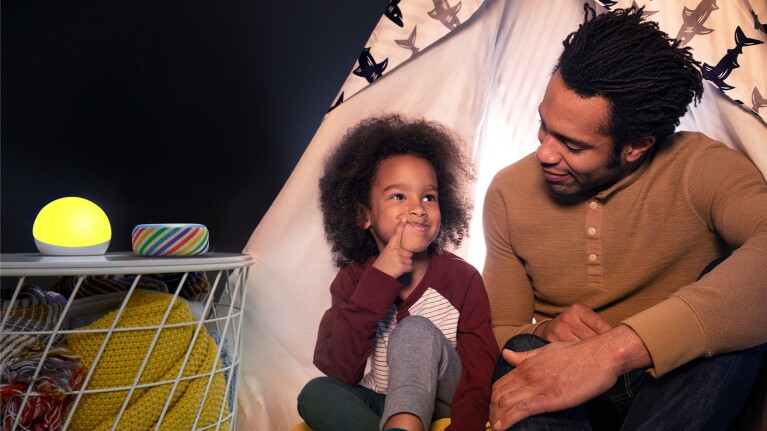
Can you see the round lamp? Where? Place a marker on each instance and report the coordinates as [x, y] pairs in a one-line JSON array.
[[72, 226]]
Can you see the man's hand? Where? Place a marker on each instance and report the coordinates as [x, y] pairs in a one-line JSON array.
[[576, 323], [393, 259], [562, 375]]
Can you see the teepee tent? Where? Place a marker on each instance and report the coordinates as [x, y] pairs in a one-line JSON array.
[[480, 67]]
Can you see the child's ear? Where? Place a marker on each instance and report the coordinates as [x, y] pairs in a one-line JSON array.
[[363, 218]]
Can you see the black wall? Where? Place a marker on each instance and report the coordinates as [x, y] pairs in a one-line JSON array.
[[192, 111]]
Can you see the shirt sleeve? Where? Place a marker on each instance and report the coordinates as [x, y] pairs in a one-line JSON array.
[[478, 352], [346, 335], [724, 310], [508, 287]]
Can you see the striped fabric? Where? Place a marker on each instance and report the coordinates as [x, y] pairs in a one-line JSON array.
[[31, 319], [45, 405], [431, 305], [170, 240], [378, 377], [195, 284], [25, 334], [92, 285]]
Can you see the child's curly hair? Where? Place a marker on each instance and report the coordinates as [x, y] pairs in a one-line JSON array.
[[350, 170]]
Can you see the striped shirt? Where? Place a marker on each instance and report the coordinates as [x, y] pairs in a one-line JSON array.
[[433, 306], [366, 308]]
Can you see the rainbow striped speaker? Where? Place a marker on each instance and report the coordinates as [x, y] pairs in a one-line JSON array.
[[170, 239]]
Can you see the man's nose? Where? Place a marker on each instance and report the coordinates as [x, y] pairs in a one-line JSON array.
[[548, 152]]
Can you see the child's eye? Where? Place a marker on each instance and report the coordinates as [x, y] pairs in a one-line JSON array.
[[397, 196], [430, 198]]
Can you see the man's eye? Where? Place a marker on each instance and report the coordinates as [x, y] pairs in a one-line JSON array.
[[573, 148]]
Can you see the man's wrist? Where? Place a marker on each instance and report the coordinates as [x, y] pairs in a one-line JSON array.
[[626, 349]]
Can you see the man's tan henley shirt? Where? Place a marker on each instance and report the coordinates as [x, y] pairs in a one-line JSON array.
[[633, 252]]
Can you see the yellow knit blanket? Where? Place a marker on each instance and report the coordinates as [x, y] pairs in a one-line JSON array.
[[122, 359]]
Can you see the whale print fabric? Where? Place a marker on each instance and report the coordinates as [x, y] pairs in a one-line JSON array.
[[481, 69], [406, 27], [727, 37]]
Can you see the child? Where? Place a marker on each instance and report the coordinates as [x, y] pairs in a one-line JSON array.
[[392, 197]]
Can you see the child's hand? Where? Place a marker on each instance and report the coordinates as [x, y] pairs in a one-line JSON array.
[[393, 259]]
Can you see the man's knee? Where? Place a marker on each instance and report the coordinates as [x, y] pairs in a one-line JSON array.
[[524, 342], [517, 343]]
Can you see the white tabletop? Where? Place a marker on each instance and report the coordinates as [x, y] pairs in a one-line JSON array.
[[36, 264]]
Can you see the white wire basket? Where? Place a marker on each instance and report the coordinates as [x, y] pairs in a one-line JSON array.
[[120, 342]]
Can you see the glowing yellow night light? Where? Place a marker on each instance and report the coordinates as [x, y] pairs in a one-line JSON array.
[[72, 226]]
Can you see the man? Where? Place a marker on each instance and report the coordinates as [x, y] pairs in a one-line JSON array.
[[596, 244]]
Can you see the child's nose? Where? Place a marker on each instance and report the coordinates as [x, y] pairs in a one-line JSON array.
[[418, 210]]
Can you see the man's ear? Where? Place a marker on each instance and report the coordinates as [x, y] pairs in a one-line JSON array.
[[637, 148]]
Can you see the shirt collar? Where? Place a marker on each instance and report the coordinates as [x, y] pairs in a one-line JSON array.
[[628, 179]]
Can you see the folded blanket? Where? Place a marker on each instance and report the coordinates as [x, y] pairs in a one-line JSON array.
[[92, 285], [44, 407], [195, 284], [23, 340], [122, 358]]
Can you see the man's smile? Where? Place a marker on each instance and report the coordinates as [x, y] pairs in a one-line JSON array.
[[554, 176]]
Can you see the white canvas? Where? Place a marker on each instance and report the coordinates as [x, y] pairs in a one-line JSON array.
[[484, 79]]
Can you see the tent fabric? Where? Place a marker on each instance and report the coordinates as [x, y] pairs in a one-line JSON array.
[[717, 36], [404, 30], [484, 79]]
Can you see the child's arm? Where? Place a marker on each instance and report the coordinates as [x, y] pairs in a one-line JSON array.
[[478, 352], [361, 296], [393, 259]]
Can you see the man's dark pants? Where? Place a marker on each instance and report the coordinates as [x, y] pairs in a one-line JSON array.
[[704, 394]]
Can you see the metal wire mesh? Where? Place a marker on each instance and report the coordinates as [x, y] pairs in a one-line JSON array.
[[149, 359]]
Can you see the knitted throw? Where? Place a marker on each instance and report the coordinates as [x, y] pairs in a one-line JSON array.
[[122, 359]]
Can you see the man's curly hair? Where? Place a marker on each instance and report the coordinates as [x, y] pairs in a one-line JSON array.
[[647, 78], [350, 170]]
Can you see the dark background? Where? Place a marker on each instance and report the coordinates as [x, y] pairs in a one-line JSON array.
[[192, 111]]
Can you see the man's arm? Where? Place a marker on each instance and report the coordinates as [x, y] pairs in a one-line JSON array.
[[508, 288], [724, 310], [562, 375]]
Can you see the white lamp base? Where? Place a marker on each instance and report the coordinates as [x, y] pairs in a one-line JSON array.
[[57, 250]]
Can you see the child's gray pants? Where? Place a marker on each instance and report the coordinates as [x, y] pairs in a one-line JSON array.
[[424, 371]]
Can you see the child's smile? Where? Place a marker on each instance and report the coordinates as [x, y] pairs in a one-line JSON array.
[[418, 227], [404, 186]]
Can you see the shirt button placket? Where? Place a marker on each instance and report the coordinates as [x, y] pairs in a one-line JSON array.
[[594, 244]]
